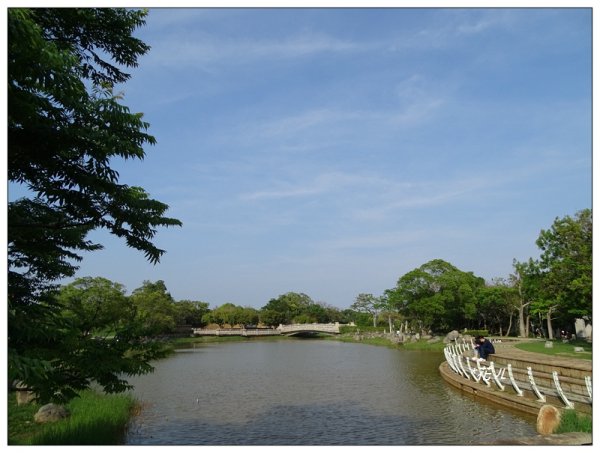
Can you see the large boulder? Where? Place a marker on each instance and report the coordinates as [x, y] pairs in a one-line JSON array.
[[51, 413], [452, 336]]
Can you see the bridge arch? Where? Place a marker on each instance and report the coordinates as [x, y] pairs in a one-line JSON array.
[[296, 329]]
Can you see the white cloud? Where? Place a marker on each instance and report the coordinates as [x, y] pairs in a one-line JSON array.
[[321, 184], [205, 51]]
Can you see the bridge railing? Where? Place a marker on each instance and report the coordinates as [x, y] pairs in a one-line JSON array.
[[235, 332], [315, 327], [282, 329]]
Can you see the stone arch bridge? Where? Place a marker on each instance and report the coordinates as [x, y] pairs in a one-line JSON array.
[[296, 329], [282, 329]]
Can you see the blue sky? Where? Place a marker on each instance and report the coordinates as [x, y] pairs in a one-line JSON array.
[[330, 151]]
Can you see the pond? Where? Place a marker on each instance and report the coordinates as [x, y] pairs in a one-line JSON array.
[[310, 392]]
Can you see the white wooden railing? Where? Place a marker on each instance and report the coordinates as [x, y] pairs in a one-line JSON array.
[[480, 371]]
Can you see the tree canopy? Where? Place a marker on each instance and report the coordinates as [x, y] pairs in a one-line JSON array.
[[65, 127], [437, 295]]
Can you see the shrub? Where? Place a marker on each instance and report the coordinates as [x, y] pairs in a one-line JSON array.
[[475, 333], [572, 421]]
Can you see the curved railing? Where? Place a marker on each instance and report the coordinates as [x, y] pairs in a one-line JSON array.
[[462, 359]]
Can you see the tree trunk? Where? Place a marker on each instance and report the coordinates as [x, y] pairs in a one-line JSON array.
[[509, 324], [522, 323], [549, 323], [374, 319], [523, 326], [390, 323]]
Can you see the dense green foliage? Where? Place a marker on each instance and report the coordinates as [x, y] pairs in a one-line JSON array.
[[95, 420], [557, 288], [65, 127], [297, 308], [438, 296]]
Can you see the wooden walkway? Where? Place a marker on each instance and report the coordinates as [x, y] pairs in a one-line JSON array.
[[534, 377]]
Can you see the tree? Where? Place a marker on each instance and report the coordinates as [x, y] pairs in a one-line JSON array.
[[496, 305], [286, 308], [246, 316], [565, 266], [190, 312], [85, 333], [389, 309], [526, 285], [271, 317], [155, 308], [65, 126], [96, 305], [437, 295], [367, 303]]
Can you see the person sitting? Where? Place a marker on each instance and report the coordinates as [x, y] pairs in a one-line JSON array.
[[484, 347]]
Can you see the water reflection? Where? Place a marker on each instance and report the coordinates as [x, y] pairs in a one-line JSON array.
[[310, 392]]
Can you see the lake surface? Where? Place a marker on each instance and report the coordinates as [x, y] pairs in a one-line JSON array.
[[311, 392]]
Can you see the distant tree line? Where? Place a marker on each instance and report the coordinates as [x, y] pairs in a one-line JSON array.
[[101, 307], [543, 294], [435, 297]]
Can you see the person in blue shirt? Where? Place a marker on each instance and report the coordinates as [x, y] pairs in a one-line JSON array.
[[484, 347]]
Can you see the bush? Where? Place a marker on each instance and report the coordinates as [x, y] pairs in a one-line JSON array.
[[475, 333]]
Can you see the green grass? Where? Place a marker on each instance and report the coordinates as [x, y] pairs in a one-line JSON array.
[[95, 420], [558, 348], [574, 422]]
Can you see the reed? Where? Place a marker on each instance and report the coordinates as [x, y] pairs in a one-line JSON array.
[[96, 419]]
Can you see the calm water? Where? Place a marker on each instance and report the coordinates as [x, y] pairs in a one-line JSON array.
[[310, 392]]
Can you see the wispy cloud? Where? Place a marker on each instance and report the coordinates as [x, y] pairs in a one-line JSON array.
[[205, 51], [456, 26], [321, 184]]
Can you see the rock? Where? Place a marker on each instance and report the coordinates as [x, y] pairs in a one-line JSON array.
[[433, 340], [580, 328], [24, 396], [452, 336], [548, 419], [578, 349], [51, 413], [549, 344]]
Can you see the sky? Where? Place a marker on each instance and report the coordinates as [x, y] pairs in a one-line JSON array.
[[331, 151]]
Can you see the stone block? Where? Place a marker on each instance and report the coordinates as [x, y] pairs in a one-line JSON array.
[[548, 419]]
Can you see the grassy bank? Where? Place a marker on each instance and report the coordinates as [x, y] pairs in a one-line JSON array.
[[421, 345], [95, 420], [558, 348]]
